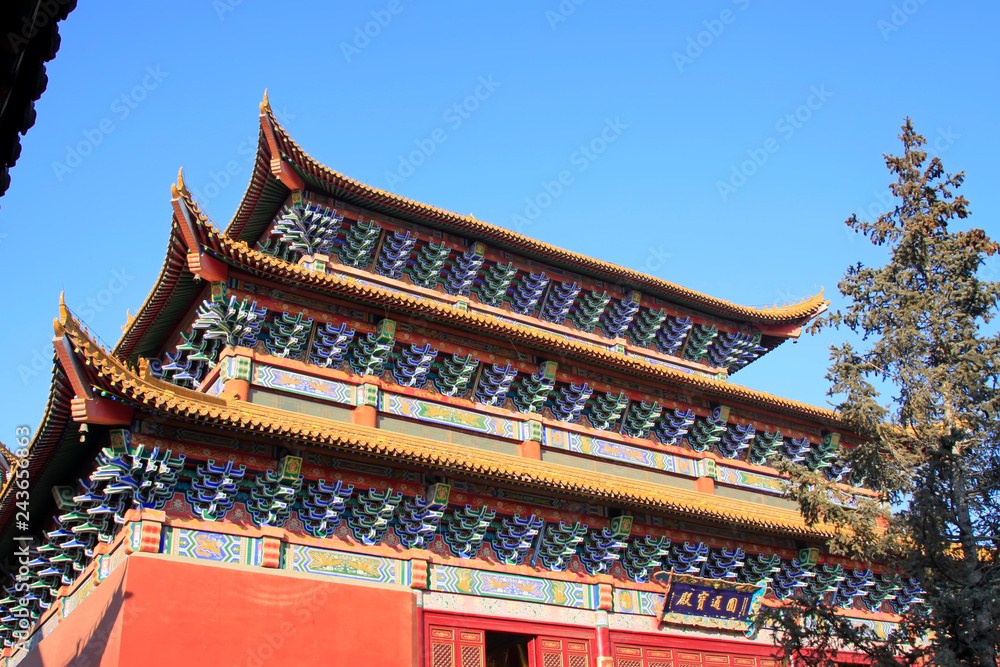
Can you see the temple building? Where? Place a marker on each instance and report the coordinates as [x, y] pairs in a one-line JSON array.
[[354, 429]]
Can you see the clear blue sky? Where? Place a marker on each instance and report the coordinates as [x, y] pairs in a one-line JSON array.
[[815, 92]]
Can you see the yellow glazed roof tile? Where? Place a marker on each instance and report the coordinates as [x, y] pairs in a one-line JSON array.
[[801, 311], [143, 390], [240, 253]]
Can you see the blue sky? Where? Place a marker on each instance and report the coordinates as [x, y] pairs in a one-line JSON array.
[[737, 138]]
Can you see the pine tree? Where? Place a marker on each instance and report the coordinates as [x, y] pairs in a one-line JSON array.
[[921, 388]]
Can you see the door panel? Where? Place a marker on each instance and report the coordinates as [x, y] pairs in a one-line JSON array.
[[452, 647], [628, 655], [559, 652]]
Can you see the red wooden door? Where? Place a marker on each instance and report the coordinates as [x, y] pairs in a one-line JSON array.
[[643, 656], [627, 655], [453, 647], [559, 652]]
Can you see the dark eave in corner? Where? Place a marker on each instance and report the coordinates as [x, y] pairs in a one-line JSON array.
[[31, 40]]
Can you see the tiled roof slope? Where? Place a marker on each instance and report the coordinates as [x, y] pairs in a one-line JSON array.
[[275, 146], [117, 381], [239, 254]]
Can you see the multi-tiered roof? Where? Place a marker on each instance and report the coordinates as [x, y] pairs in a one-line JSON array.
[[621, 380], [581, 310]]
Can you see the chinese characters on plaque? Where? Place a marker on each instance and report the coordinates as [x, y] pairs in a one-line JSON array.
[[712, 603]]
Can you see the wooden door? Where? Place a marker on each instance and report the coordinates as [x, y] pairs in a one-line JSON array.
[[454, 647], [559, 652], [643, 656]]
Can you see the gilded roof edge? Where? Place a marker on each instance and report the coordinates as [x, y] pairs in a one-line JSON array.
[[187, 404], [803, 311], [242, 254]]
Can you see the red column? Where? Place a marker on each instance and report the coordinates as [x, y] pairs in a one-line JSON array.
[[239, 387], [531, 446], [365, 415], [605, 658], [705, 485], [530, 449]]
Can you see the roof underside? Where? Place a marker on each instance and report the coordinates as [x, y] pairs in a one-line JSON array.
[[33, 40]]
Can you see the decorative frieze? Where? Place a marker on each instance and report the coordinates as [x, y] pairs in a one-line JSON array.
[[455, 373], [620, 314], [496, 281], [464, 267], [570, 401], [426, 269], [359, 241], [411, 364], [273, 493], [534, 388], [559, 302], [558, 543], [395, 251], [419, 518], [370, 352], [307, 229], [606, 410]]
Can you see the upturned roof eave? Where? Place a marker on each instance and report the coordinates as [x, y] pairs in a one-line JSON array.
[[276, 146], [120, 382], [204, 238]]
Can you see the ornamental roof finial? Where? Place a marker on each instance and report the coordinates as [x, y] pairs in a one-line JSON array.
[[58, 324], [265, 106]]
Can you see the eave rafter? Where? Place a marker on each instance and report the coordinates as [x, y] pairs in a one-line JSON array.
[[240, 255], [293, 168], [142, 392]]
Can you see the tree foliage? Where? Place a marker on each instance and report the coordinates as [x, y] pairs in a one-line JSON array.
[[921, 389]]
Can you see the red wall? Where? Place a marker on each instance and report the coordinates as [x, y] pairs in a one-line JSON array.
[[166, 612]]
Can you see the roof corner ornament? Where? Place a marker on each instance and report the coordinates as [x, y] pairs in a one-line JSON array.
[[280, 169]]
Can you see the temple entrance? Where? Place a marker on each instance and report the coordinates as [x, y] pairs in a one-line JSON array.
[[505, 649]]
